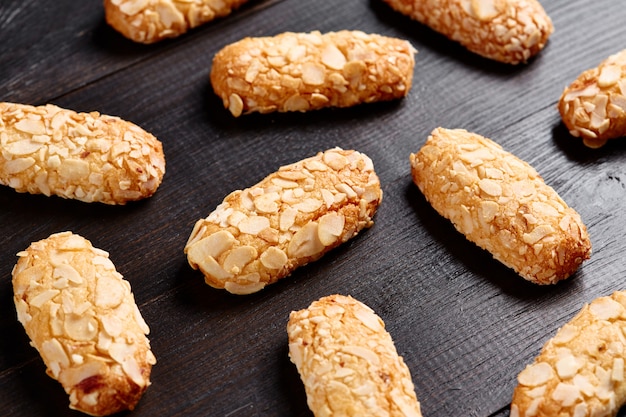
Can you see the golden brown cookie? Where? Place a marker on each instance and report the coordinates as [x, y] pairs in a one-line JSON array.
[[348, 362], [83, 156], [149, 21], [502, 204], [292, 217], [580, 371], [509, 31], [309, 71], [81, 316], [593, 107]]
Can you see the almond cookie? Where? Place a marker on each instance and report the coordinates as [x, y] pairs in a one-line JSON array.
[[290, 218], [500, 203], [81, 316], [348, 362], [84, 156], [308, 71], [149, 21], [580, 371], [509, 31], [593, 107]]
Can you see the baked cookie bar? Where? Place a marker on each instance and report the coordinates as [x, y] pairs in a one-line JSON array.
[[348, 362], [500, 203], [509, 31], [82, 318], [150, 21], [292, 217], [83, 156], [308, 71], [593, 107], [580, 371]]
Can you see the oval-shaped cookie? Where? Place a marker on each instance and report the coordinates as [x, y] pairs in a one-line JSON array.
[[308, 71], [348, 362], [509, 31], [580, 371], [502, 204], [292, 217], [149, 21], [81, 316], [84, 156], [593, 107]]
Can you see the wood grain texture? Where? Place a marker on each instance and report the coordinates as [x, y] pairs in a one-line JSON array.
[[465, 324]]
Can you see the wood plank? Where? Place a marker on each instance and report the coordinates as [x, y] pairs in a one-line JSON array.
[[465, 324]]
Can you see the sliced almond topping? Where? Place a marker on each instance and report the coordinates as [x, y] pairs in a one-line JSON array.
[[567, 366], [332, 57], [52, 351], [43, 297], [308, 205], [536, 374], [335, 160], [209, 266], [485, 10], [238, 258], [362, 352], [537, 234], [132, 369], [30, 126], [23, 147], [354, 71], [68, 272], [605, 308], [81, 328], [488, 209], [287, 218], [609, 75], [490, 187], [235, 105], [305, 242], [292, 175], [315, 165], [253, 225], [346, 189], [274, 258], [266, 203], [330, 228], [566, 334], [566, 394], [313, 74], [113, 325], [243, 289], [109, 292], [74, 170], [296, 102], [212, 246], [584, 385], [369, 319], [132, 7], [15, 166], [282, 183]]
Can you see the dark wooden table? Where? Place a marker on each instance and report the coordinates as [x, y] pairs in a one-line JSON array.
[[465, 324]]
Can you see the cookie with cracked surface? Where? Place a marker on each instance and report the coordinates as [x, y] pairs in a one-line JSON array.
[[502, 204], [150, 21], [593, 107], [292, 217], [580, 371], [82, 318], [348, 362], [309, 71], [83, 156], [508, 31]]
